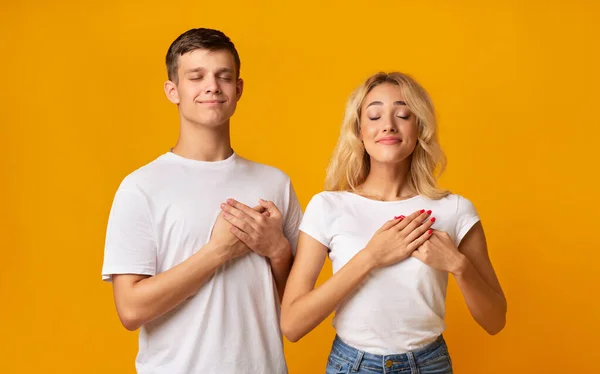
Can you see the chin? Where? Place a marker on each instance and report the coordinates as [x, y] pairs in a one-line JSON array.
[[388, 159], [209, 121]]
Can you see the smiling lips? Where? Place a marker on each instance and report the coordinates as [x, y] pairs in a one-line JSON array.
[[389, 140], [212, 102]]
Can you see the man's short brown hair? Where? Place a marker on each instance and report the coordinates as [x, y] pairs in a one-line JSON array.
[[201, 38]]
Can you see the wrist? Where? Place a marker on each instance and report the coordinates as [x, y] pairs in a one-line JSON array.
[[220, 253], [460, 266], [281, 251], [367, 257]]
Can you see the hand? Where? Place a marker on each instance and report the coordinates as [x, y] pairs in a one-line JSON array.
[[226, 241], [262, 233], [398, 238], [441, 253]]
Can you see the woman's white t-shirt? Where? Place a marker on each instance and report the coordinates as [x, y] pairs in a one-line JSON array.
[[398, 308]]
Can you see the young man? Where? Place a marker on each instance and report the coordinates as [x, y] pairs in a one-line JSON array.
[[192, 265]]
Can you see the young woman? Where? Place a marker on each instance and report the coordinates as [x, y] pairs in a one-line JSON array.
[[393, 237]]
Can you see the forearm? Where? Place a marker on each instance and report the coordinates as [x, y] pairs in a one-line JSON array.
[[487, 306], [154, 296], [307, 311], [280, 267]]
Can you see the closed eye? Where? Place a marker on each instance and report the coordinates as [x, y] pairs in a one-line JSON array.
[[399, 116]]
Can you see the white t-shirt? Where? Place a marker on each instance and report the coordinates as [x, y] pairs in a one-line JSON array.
[[163, 213], [398, 308]]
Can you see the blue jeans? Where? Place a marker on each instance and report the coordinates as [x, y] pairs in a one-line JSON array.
[[432, 359]]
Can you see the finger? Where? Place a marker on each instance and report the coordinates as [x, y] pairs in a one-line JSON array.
[[261, 210], [244, 237], [241, 224], [442, 236], [419, 218], [415, 244], [233, 211], [418, 255], [391, 223], [244, 208], [420, 230], [435, 237], [270, 207], [413, 220]]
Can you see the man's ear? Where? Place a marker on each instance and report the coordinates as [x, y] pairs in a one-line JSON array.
[[239, 88], [171, 92]]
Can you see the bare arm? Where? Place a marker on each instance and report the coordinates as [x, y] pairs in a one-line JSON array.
[[304, 307], [140, 298], [479, 284], [262, 233], [474, 274], [281, 265]]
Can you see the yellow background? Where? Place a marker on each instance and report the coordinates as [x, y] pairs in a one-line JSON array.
[[516, 89]]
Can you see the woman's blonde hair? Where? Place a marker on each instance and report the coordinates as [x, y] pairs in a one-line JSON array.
[[350, 163]]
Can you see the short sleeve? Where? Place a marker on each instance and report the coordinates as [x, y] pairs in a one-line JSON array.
[[313, 222], [130, 246], [466, 217], [292, 219]]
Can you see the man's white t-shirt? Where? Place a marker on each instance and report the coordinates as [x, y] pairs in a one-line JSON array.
[[163, 213], [399, 308]]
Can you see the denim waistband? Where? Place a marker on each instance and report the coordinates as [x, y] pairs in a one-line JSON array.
[[395, 362]]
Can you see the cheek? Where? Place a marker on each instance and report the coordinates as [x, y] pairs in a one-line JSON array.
[[410, 130], [229, 88], [368, 136], [368, 132], [186, 95]]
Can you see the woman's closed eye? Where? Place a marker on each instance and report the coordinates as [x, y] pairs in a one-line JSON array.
[[399, 115]]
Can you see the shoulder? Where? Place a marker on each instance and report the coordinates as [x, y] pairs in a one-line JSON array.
[[452, 203], [329, 199], [144, 178], [263, 171]]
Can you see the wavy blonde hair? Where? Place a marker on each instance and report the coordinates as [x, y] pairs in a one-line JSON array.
[[350, 163]]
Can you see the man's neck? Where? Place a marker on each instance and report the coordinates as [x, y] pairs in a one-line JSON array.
[[204, 144]]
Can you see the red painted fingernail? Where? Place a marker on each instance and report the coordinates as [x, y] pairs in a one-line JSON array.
[[399, 217], [429, 212], [422, 211], [432, 219], [429, 232]]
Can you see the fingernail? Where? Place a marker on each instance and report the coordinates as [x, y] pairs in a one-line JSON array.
[[399, 217], [429, 232], [422, 211], [432, 219], [429, 212]]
